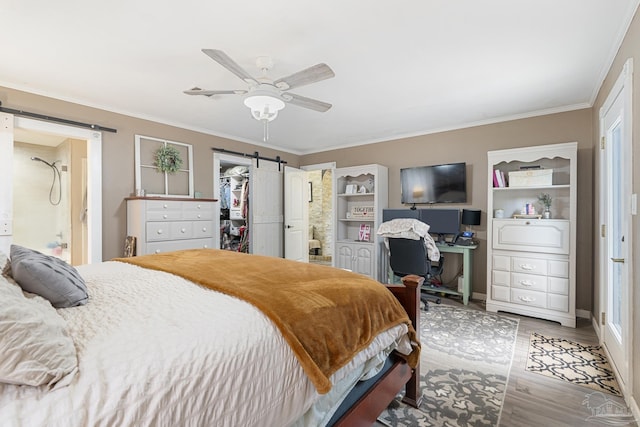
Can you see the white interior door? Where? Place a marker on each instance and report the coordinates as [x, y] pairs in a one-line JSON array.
[[616, 197], [296, 215], [266, 209]]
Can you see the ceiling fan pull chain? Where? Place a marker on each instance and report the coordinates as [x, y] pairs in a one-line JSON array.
[[265, 137]]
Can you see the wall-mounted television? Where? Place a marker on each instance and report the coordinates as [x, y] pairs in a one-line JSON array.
[[434, 184]]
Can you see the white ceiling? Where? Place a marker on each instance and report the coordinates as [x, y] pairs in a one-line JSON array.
[[402, 68]]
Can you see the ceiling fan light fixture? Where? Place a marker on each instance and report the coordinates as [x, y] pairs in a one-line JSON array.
[[263, 107]]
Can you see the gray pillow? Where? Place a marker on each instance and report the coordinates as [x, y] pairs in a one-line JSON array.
[[47, 276]]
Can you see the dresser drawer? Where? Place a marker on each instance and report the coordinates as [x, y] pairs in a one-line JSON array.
[[181, 230], [164, 210], [532, 235], [500, 293], [558, 285], [530, 298], [558, 268], [158, 231], [529, 281], [164, 215], [529, 265], [197, 211], [177, 245], [558, 302], [202, 229], [501, 278], [502, 262]]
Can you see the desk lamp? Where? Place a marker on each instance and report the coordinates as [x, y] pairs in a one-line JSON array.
[[471, 217]]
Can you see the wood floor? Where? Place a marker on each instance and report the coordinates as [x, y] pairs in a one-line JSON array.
[[534, 400]]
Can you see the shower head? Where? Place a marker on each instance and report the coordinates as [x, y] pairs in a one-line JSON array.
[[38, 159]]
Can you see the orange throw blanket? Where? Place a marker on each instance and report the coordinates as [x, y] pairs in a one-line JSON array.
[[327, 315]]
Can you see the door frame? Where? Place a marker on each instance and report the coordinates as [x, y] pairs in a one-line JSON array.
[[325, 166], [94, 174], [622, 88]]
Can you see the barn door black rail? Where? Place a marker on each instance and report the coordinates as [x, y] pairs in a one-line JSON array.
[[54, 119], [255, 155]]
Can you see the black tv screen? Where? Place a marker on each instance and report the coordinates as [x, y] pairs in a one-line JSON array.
[[434, 184]]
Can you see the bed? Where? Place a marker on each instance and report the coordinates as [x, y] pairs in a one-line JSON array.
[[190, 338]]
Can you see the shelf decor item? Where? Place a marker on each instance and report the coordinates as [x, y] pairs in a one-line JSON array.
[[545, 199], [362, 212], [168, 159]]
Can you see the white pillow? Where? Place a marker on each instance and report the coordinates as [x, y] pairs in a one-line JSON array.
[[35, 348]]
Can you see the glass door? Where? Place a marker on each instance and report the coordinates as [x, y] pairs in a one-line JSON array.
[[615, 195]]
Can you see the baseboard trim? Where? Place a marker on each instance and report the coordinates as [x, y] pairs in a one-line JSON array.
[[478, 296], [635, 410], [583, 314]]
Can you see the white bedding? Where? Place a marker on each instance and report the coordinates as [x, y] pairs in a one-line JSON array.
[[157, 350]]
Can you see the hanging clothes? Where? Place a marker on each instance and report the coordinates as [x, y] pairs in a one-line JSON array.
[[225, 193]]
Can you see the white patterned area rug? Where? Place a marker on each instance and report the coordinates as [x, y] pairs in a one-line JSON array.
[[465, 362], [570, 361]]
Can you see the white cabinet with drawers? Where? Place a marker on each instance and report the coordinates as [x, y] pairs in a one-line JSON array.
[[530, 260], [170, 224]]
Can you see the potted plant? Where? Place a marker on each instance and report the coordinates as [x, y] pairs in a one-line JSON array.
[[545, 199]]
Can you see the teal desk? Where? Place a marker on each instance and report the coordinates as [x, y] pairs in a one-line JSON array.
[[467, 270]]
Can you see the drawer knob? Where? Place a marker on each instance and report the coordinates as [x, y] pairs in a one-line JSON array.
[[198, 206], [204, 228], [527, 299], [205, 246], [526, 283], [182, 230], [159, 231], [165, 216], [199, 216], [165, 206], [527, 267], [157, 251]]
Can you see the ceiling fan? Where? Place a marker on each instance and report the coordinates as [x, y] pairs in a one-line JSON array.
[[264, 96]]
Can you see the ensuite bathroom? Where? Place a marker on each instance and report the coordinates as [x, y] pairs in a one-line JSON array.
[[49, 203]]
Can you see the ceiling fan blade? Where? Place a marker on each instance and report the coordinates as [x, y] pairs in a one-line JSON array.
[[303, 101], [198, 91], [307, 76], [223, 59]]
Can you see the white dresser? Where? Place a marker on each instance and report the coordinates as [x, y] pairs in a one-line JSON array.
[[170, 224], [531, 260]]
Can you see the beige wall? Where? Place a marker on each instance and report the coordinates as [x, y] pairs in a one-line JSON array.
[[471, 145], [630, 48], [118, 155]]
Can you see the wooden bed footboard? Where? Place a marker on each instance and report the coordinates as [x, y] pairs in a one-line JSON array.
[[366, 410]]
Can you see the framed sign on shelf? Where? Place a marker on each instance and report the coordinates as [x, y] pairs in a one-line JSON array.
[[163, 168]]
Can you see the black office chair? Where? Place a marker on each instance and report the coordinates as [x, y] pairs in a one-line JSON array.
[[407, 256]]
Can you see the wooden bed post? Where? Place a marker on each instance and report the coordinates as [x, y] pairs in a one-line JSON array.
[[409, 296]]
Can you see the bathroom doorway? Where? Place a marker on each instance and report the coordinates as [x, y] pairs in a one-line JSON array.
[[49, 195], [28, 187], [320, 209]]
